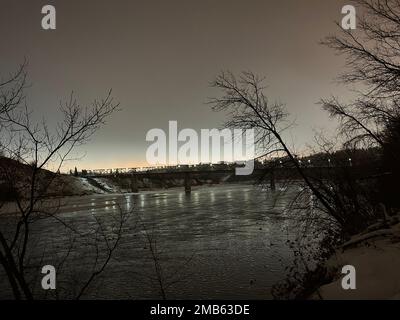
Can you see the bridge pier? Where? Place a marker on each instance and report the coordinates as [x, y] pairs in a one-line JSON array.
[[134, 184], [188, 187], [272, 180]]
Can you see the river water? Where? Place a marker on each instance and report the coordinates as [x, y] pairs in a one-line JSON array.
[[219, 242]]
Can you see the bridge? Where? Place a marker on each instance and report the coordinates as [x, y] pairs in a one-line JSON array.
[[188, 173]]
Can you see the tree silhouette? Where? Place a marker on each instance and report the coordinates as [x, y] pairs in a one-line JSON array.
[[29, 149]]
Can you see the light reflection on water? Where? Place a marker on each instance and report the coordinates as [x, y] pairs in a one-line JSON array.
[[235, 242]]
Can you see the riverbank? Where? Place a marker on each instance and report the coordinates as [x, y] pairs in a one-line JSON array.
[[375, 254]]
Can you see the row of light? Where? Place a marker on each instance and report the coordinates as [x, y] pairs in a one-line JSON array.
[[309, 161]]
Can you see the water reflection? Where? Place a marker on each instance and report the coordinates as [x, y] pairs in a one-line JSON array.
[[236, 242], [212, 197]]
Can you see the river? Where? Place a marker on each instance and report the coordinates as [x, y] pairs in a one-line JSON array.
[[219, 242]]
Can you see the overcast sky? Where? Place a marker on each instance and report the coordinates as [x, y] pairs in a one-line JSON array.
[[159, 57]]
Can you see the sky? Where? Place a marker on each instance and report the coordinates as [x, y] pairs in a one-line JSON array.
[[159, 58]]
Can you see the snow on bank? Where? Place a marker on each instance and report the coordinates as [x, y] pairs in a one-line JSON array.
[[107, 185], [375, 255], [88, 187], [97, 185]]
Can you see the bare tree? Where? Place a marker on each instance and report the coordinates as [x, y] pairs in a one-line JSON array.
[[29, 149], [248, 107], [372, 54], [332, 203]]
